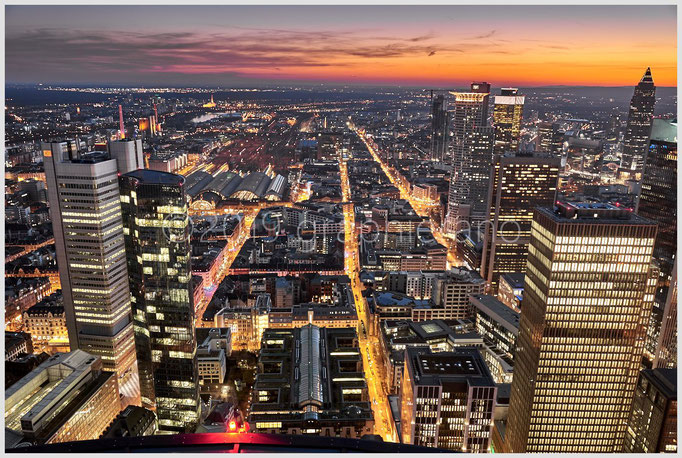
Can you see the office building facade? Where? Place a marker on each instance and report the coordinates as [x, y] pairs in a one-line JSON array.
[[469, 144], [638, 126], [83, 193], [156, 228], [658, 202], [588, 296], [507, 116], [652, 425], [518, 184], [439, 128], [447, 400]]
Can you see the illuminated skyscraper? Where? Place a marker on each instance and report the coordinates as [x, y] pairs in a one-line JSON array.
[[518, 184], [439, 128], [156, 227], [658, 202], [587, 299], [550, 138], [507, 116], [82, 191], [471, 144], [638, 126]]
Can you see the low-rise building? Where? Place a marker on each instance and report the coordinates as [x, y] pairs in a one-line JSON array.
[[437, 335], [510, 290], [310, 380], [447, 400], [46, 322], [66, 398], [133, 421]]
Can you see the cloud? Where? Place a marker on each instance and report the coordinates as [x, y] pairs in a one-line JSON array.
[[432, 53], [485, 35], [242, 51]]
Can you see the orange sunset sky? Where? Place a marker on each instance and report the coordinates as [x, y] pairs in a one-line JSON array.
[[408, 45]]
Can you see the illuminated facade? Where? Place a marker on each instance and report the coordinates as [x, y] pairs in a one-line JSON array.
[[471, 145], [518, 184], [507, 116], [639, 122], [83, 193], [46, 323], [658, 202], [588, 296], [156, 227], [439, 128], [447, 400], [652, 426], [67, 398]]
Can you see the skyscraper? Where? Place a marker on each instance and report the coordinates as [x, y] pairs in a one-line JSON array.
[[666, 346], [638, 126], [652, 425], [507, 115], [658, 202], [86, 218], [439, 128], [518, 184], [587, 299], [156, 227], [469, 115], [550, 138]]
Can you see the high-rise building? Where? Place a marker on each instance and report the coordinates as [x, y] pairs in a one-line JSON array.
[[518, 183], [447, 400], [85, 209], [439, 128], [652, 425], [638, 127], [507, 116], [666, 347], [550, 138], [588, 295], [470, 144], [481, 146], [156, 227], [658, 202]]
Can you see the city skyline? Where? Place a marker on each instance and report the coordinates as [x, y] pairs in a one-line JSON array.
[[433, 46], [341, 228]]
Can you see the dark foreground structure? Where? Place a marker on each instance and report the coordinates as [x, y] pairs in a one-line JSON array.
[[227, 442]]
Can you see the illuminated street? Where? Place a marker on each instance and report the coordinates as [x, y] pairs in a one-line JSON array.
[[420, 206], [234, 246], [374, 371]]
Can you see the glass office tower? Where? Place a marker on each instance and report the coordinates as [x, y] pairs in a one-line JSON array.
[[156, 228]]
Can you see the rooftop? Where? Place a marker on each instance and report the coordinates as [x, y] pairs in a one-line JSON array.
[[156, 177], [592, 213]]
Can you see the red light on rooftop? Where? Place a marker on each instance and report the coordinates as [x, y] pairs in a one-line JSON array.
[[232, 426]]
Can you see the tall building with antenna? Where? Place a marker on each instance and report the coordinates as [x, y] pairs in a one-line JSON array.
[[83, 194], [471, 145]]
